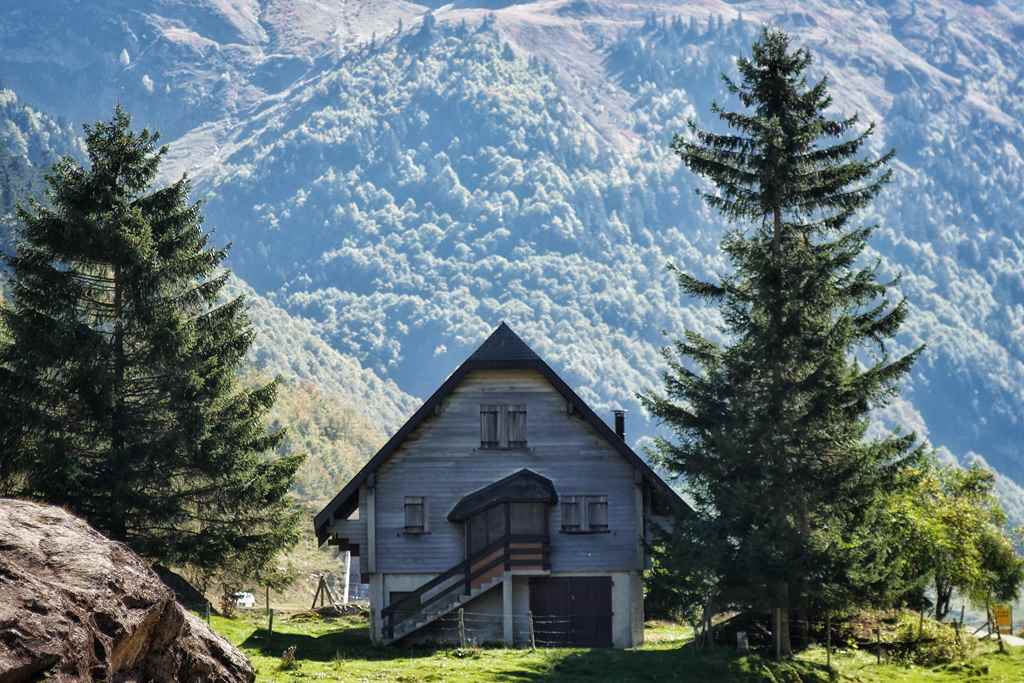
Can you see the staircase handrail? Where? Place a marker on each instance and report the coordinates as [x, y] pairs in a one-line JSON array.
[[465, 568]]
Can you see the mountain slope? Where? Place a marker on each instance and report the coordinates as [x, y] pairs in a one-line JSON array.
[[403, 180], [30, 141], [173, 63], [422, 187]]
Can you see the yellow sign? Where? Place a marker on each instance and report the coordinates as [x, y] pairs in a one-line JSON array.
[[1003, 615]]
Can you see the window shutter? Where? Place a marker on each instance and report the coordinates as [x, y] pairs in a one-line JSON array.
[[517, 426], [570, 513], [597, 513], [414, 517], [488, 426]]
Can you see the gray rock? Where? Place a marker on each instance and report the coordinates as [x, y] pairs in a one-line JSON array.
[[77, 606]]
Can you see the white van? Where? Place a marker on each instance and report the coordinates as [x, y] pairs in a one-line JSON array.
[[244, 600]]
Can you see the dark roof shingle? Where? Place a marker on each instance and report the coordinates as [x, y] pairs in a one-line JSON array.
[[525, 486], [503, 345]]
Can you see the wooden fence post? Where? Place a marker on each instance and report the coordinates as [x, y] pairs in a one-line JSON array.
[[533, 640], [348, 570], [270, 624], [462, 630], [316, 596], [268, 598]]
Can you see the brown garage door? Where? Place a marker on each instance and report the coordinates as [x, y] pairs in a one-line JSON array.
[[573, 610]]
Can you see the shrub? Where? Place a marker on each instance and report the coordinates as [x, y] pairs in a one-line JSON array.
[[936, 643], [227, 605], [288, 660]]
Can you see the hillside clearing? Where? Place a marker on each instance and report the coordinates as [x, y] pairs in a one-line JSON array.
[[340, 650]]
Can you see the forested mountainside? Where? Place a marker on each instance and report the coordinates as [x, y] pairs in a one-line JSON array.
[[30, 141], [397, 177], [174, 63]]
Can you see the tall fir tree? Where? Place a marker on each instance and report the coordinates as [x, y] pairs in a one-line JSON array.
[[118, 381], [770, 425]]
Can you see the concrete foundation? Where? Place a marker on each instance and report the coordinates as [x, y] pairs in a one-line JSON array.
[[501, 614]]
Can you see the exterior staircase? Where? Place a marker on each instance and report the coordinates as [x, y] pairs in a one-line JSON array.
[[432, 614], [464, 582]]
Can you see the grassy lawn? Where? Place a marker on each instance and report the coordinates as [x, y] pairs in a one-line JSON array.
[[340, 650]]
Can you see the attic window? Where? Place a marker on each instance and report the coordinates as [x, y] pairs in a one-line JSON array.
[[517, 426], [489, 426], [503, 426], [415, 515]]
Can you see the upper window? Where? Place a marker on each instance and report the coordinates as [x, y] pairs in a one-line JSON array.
[[503, 426], [489, 427], [585, 513], [517, 426], [415, 515]]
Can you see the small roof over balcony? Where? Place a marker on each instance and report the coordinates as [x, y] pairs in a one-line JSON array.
[[525, 486]]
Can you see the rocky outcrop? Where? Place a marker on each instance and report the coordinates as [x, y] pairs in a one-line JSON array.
[[75, 606]]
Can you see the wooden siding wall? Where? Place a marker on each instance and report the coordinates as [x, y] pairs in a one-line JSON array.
[[442, 461]]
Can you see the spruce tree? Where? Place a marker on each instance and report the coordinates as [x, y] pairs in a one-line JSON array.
[[770, 424], [118, 381]]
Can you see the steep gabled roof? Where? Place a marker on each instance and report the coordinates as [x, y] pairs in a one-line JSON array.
[[502, 350], [502, 346]]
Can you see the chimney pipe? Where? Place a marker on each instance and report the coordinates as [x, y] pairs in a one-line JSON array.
[[620, 424]]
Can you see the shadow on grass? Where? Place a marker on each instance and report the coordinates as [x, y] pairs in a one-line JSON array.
[[568, 665], [347, 641], [685, 663]]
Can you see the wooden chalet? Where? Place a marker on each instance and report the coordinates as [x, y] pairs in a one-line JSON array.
[[507, 497]]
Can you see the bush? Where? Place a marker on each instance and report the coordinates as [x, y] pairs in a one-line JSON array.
[[288, 660], [227, 605], [936, 643]]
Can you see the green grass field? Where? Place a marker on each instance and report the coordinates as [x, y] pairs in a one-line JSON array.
[[340, 650]]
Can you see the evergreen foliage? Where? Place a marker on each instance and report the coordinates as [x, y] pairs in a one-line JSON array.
[[771, 425], [118, 385]]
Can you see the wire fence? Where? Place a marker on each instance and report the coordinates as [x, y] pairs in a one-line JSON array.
[[889, 635], [474, 628]]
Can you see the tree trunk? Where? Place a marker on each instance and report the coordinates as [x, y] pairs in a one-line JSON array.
[[118, 524], [783, 646], [943, 595], [776, 232], [709, 613]]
